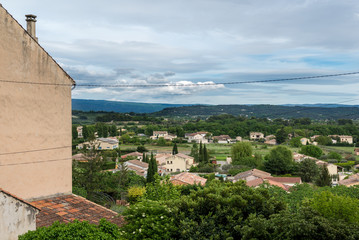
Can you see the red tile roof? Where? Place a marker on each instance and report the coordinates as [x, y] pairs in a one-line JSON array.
[[70, 207], [254, 183], [189, 178], [285, 179]]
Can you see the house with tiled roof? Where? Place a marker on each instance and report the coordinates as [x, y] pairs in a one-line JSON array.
[[17, 216], [36, 151], [140, 168], [137, 155], [222, 139], [36, 116], [256, 135], [356, 151], [251, 175], [178, 163], [109, 143], [186, 178], [289, 181], [351, 181], [198, 137], [158, 134], [70, 207]]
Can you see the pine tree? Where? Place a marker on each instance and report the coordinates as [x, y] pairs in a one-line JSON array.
[[324, 178], [175, 149], [143, 157]]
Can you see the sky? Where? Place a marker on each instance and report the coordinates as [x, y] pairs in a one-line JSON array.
[[202, 41]]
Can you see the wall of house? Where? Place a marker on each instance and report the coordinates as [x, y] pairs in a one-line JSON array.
[[16, 217], [177, 164], [33, 116]]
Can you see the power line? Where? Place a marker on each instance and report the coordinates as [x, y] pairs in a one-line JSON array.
[[36, 150], [213, 84], [180, 85], [24, 163]]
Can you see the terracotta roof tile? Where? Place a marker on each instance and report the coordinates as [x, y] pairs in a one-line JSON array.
[[189, 178], [69, 207]]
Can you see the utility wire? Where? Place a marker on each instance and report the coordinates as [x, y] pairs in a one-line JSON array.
[[36, 150], [23, 163], [181, 85]]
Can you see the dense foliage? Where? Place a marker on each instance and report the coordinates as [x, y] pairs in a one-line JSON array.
[[75, 230]]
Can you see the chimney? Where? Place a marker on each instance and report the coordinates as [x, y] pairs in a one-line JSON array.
[[31, 26]]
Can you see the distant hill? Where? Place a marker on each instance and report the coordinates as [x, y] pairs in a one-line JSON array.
[[260, 111], [313, 111], [121, 107]]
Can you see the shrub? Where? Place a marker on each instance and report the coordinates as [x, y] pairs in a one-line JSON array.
[[135, 193], [75, 230]]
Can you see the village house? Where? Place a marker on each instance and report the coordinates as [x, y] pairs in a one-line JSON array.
[[270, 140], [256, 177], [170, 137], [79, 132], [110, 143], [135, 155], [198, 137], [351, 181], [256, 135], [35, 123], [305, 141], [239, 139], [342, 138], [186, 178], [222, 139], [178, 163], [356, 151], [140, 168], [35, 131], [158, 134]]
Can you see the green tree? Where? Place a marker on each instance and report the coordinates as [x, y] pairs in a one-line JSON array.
[[312, 151], [161, 142], [281, 136], [152, 169], [308, 170], [200, 153], [75, 230], [334, 155], [205, 154], [194, 152], [174, 149], [240, 151], [88, 174], [324, 178], [74, 132], [295, 142], [323, 140], [336, 207], [113, 131], [279, 160], [85, 132]]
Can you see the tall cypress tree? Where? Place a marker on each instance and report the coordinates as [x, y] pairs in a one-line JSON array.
[[152, 169], [200, 153], [205, 154], [143, 157], [174, 149]]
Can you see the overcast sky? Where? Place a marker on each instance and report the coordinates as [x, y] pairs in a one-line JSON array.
[[202, 41]]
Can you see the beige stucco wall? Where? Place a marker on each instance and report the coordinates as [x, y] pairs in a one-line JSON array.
[[16, 217], [175, 163], [33, 116]]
